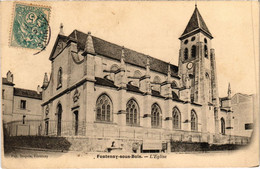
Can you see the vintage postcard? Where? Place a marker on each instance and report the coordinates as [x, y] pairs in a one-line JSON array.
[[120, 84]]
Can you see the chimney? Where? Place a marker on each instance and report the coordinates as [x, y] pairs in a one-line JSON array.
[[45, 81], [9, 76], [61, 29]]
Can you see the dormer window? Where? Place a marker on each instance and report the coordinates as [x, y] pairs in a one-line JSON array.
[[206, 51], [186, 53], [59, 78]]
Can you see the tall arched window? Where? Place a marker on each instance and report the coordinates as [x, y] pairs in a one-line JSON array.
[[59, 78], [104, 108], [222, 126], [206, 51], [186, 53], [193, 51], [194, 121], [156, 116], [176, 118], [132, 112]]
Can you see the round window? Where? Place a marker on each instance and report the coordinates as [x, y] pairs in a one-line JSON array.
[[193, 38], [186, 41]]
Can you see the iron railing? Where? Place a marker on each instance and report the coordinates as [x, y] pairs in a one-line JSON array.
[[99, 130]]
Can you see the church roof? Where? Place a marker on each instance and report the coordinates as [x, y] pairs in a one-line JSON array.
[[27, 93], [196, 24], [113, 51]]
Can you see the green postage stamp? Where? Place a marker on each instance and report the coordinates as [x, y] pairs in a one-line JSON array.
[[30, 27]]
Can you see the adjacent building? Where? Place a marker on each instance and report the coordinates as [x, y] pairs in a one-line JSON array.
[[20, 108]]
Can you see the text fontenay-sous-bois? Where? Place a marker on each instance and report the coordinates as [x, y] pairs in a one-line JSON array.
[[133, 156]]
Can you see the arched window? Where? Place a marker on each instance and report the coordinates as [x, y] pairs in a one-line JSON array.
[[193, 51], [156, 116], [205, 40], [132, 112], [47, 110], [104, 108], [222, 125], [137, 76], [206, 51], [194, 121], [59, 78], [156, 83], [186, 53], [176, 118], [113, 69]]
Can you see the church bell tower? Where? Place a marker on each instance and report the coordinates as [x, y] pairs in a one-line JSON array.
[[197, 68]]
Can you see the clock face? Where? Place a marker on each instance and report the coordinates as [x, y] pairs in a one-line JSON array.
[[189, 65]]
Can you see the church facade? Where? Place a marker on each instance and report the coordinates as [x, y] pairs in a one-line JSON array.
[[98, 89]]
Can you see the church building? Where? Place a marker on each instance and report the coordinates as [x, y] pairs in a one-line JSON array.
[[98, 89]]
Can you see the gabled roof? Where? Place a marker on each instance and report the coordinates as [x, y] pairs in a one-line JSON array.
[[6, 82], [196, 24], [27, 93], [113, 51]]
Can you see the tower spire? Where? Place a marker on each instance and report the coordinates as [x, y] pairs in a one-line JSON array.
[[61, 29], [229, 91], [196, 24]]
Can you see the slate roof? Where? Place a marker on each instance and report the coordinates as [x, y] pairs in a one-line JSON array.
[[113, 51], [196, 23], [105, 82], [223, 99], [133, 88], [27, 93], [6, 82]]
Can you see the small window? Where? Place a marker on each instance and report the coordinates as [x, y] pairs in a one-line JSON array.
[[186, 53], [23, 104], [249, 126], [59, 78], [206, 51], [173, 85], [24, 119], [3, 94], [193, 38], [205, 40], [193, 51], [186, 41]]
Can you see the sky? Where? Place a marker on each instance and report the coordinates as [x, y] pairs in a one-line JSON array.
[[152, 28]]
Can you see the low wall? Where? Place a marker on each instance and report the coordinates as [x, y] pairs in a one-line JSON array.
[[71, 143]]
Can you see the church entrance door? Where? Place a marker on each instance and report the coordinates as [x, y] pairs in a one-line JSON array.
[[76, 119], [59, 109]]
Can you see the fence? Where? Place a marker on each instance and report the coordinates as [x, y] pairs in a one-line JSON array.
[[72, 128]]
